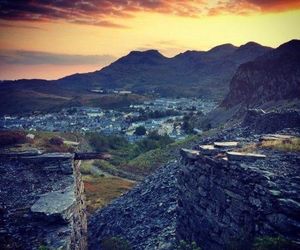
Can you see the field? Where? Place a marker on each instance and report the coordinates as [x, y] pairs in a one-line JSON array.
[[100, 187]]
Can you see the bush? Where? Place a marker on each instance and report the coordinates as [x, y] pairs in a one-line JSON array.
[[57, 141], [273, 243], [141, 130], [153, 141], [183, 245], [10, 138], [115, 243], [102, 143]]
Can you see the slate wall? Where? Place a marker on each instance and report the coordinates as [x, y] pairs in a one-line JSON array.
[[224, 204]]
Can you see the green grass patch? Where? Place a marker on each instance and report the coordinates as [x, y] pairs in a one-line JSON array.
[[151, 160]]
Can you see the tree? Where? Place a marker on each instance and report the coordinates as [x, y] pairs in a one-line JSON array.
[[140, 130]]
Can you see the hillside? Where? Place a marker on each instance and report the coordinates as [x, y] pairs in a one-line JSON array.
[[193, 73]]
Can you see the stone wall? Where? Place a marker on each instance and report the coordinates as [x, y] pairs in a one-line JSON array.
[[41, 202], [222, 203]]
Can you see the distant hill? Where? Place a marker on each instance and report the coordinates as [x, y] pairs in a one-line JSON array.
[[204, 74], [273, 77], [194, 73]]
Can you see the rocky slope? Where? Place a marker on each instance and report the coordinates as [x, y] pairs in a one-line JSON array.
[[272, 77], [208, 199], [145, 216], [270, 82]]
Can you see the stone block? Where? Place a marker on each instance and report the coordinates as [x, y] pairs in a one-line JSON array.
[[190, 154], [208, 149], [238, 156], [226, 144]]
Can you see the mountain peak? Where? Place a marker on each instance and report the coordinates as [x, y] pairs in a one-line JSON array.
[[225, 46], [222, 50], [250, 44], [292, 44], [150, 52]]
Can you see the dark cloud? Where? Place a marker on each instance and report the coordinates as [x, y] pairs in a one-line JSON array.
[[99, 12], [38, 58], [93, 12]]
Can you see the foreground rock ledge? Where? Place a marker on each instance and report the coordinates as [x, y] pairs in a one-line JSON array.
[[42, 202]]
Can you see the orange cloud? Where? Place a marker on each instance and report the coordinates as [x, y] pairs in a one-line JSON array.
[[244, 7], [100, 12]]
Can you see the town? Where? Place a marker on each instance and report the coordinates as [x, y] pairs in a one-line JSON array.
[[164, 115]]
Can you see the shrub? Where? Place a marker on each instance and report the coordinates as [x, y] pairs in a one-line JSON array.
[[102, 143], [273, 243], [9, 138], [43, 247], [140, 130], [57, 141], [115, 243], [183, 245]]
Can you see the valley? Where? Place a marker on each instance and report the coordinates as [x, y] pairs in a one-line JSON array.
[[198, 151]]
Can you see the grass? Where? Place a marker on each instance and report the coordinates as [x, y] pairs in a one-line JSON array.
[[85, 167], [42, 141], [100, 191], [289, 145], [151, 160], [285, 145]]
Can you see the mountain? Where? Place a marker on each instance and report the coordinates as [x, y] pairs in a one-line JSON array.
[[194, 73], [205, 74], [272, 77]]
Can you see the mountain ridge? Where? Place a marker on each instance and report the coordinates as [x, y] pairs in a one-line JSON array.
[[204, 74]]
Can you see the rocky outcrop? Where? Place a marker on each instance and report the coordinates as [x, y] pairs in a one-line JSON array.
[[272, 77], [41, 202]]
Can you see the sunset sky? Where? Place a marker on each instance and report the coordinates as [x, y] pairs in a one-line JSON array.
[[53, 38]]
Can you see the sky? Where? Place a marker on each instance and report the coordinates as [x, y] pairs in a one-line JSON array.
[[50, 39]]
